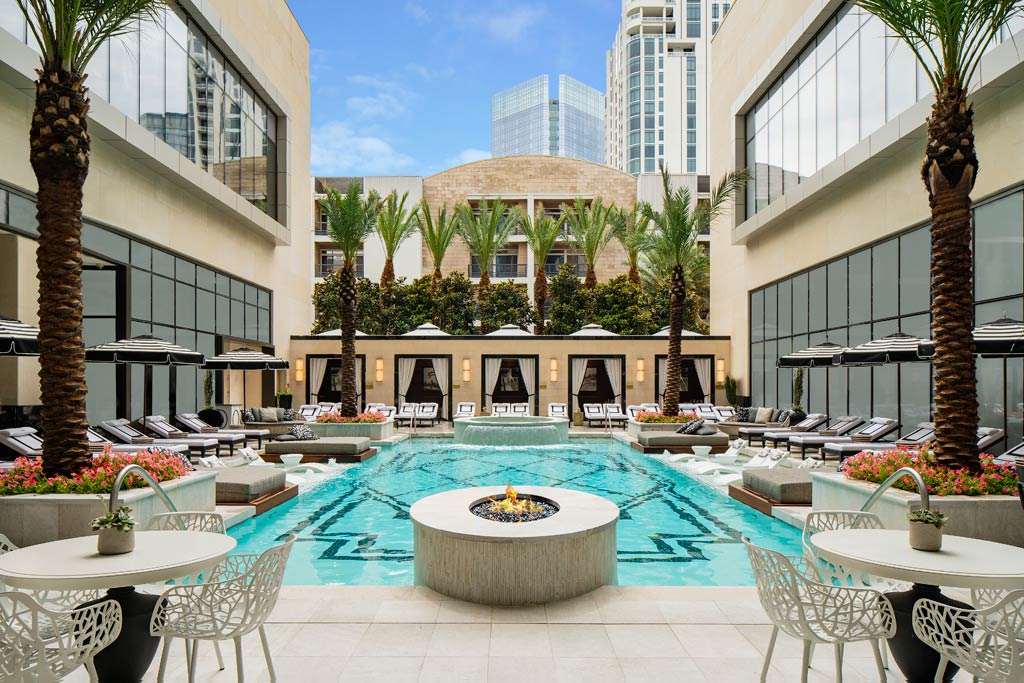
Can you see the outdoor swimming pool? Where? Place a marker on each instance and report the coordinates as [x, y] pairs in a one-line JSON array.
[[673, 530]]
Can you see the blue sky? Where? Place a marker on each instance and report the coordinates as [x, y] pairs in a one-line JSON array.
[[405, 86]]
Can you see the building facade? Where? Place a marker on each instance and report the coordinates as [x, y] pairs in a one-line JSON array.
[[195, 213], [526, 120], [657, 75], [831, 239]]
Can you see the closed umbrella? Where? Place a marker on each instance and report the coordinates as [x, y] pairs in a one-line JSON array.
[[894, 348], [17, 338], [243, 359], [821, 355]]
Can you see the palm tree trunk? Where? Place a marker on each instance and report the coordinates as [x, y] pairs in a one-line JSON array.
[[540, 297], [677, 311], [387, 276], [590, 281], [59, 153], [634, 274], [949, 172], [348, 342], [481, 287]]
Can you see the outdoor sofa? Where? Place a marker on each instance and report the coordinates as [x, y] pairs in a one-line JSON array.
[[733, 425], [271, 419], [340, 448]]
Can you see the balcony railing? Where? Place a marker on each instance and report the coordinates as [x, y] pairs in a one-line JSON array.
[[500, 270], [551, 269], [323, 270]]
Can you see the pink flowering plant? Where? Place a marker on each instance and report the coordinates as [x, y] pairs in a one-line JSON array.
[[662, 418], [27, 474], [369, 417], [994, 479]]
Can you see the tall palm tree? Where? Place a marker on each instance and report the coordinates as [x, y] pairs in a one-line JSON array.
[[351, 219], [948, 38], [591, 228], [67, 33], [395, 225], [630, 228], [437, 233], [485, 232], [674, 238], [541, 235]]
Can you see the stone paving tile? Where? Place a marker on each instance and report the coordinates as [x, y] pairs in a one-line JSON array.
[[515, 640], [644, 640], [714, 640], [588, 670], [408, 611], [458, 612], [453, 670], [661, 670], [377, 669], [394, 640], [579, 640], [459, 640]]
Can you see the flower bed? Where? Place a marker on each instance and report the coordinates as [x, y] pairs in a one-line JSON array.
[[27, 474], [369, 417], [993, 480], [661, 418]]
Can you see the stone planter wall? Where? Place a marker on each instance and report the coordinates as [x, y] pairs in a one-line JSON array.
[[991, 518], [634, 428], [30, 519], [375, 431]]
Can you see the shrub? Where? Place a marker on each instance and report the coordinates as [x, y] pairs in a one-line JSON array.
[[506, 303], [623, 307], [568, 302], [994, 479], [369, 417], [27, 474], [661, 418]]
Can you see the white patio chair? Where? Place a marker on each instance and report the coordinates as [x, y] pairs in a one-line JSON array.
[[706, 412], [521, 409], [613, 414], [829, 572], [373, 407], [406, 414], [725, 413], [234, 600], [816, 613], [557, 410], [388, 412], [651, 407], [42, 645], [309, 412], [50, 598], [426, 413], [500, 409], [593, 412], [465, 409], [985, 643]]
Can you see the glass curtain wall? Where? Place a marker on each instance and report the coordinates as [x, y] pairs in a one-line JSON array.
[[646, 73], [883, 289]]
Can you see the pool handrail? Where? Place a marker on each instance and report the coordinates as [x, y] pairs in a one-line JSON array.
[[922, 489], [114, 502]]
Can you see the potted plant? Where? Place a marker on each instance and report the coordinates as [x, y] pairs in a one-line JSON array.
[[926, 529], [798, 414], [730, 390], [209, 414], [284, 398], [116, 532]]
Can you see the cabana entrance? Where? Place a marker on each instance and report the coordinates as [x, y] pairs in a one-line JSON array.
[[424, 379], [596, 379], [695, 381], [510, 379], [324, 385]]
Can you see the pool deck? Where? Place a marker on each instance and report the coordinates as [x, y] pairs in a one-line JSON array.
[[346, 634]]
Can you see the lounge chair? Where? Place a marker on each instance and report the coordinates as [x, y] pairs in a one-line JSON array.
[[406, 414], [123, 431], [521, 409], [309, 412], [373, 407], [500, 409], [876, 430], [922, 433], [593, 412], [165, 430], [987, 437], [327, 407], [387, 411], [651, 407], [687, 408], [633, 412], [427, 413], [557, 410], [706, 412], [1010, 456], [777, 438], [465, 409], [765, 459], [725, 413], [26, 442], [191, 422], [755, 435], [613, 414]]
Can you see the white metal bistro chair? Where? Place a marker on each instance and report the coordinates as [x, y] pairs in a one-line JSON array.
[[816, 613], [831, 520], [986, 643], [39, 645], [234, 600]]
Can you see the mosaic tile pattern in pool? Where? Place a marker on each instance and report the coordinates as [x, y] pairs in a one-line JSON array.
[[672, 530]]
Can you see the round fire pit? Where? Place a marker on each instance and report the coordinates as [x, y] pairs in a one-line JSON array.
[[472, 558]]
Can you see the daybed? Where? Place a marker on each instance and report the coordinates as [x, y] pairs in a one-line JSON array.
[[263, 487], [341, 448], [659, 441], [764, 489]]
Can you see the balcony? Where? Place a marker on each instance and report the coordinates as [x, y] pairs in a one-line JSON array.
[[551, 269], [500, 270]]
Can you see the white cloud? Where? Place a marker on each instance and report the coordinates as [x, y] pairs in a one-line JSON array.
[[417, 11], [378, 105], [467, 156], [338, 149], [429, 73], [510, 24]]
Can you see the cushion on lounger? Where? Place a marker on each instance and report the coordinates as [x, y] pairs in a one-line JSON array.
[[706, 430], [654, 438], [763, 415], [303, 433], [780, 485], [327, 445], [245, 484], [268, 414], [742, 414]]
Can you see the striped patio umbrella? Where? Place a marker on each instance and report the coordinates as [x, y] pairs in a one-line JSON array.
[[17, 338], [894, 348], [1003, 337], [243, 359], [819, 355]]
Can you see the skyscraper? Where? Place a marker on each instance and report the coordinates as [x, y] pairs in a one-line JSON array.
[[525, 120], [657, 85]]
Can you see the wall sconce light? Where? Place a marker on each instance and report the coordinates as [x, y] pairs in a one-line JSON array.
[[553, 370], [720, 372], [300, 370], [467, 370], [379, 370], [640, 370]]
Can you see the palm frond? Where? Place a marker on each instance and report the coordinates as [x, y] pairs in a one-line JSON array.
[[488, 230], [395, 224], [438, 232], [629, 227], [542, 234], [351, 219], [590, 226]]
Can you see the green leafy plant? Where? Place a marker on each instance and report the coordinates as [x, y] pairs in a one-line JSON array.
[[993, 479], [798, 389], [630, 228], [27, 476], [438, 232], [121, 519], [541, 236], [936, 519], [624, 307], [208, 390], [591, 226], [506, 303], [662, 418], [569, 303], [730, 390], [485, 231], [283, 397], [395, 224]]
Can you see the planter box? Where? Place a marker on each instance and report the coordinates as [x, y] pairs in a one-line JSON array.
[[991, 518], [375, 431], [634, 428], [30, 519]]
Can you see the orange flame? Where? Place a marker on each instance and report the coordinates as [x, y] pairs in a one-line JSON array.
[[512, 504]]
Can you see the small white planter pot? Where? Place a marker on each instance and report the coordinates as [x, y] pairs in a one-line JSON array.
[[925, 536], [115, 541], [701, 451]]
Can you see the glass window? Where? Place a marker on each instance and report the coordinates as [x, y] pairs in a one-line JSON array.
[[99, 293], [206, 279], [757, 374], [105, 243], [771, 304], [141, 292], [185, 305], [163, 300], [12, 19], [223, 315], [816, 297], [885, 279], [185, 271], [826, 113], [915, 275], [847, 125], [152, 94], [837, 306], [757, 316], [800, 304], [999, 250], [251, 322], [124, 74], [238, 290], [223, 284], [99, 72], [790, 145], [21, 213], [163, 263], [900, 90], [785, 321], [206, 313], [771, 385], [142, 256], [264, 325], [774, 157], [860, 286], [872, 75], [237, 319]]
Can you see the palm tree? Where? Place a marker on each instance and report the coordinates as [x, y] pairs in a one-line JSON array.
[[591, 228], [437, 233], [948, 38], [485, 232], [395, 225], [350, 220], [630, 228], [541, 235], [674, 238], [67, 33]]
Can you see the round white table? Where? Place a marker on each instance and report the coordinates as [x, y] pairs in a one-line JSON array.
[[962, 563], [74, 564]]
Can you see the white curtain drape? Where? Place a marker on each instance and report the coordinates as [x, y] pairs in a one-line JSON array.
[[662, 371], [406, 368], [317, 370], [492, 369], [579, 372], [359, 382], [441, 373], [528, 368], [613, 366], [703, 366]]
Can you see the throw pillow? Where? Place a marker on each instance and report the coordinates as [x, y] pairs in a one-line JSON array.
[[183, 457], [692, 427], [707, 430], [763, 415], [285, 437], [289, 415], [743, 414], [303, 433], [785, 418], [280, 414], [247, 415], [268, 414], [776, 415]]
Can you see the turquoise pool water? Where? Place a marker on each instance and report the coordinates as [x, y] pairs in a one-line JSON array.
[[673, 530]]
